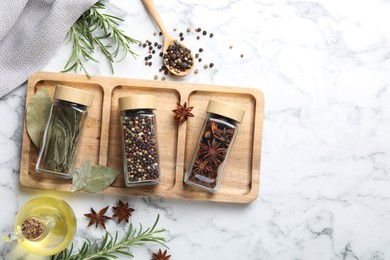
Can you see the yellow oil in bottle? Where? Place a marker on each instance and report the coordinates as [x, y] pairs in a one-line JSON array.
[[58, 234]]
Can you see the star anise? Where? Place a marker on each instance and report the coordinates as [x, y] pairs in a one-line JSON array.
[[160, 255], [213, 152], [98, 218], [122, 211], [183, 112], [225, 136], [201, 167]]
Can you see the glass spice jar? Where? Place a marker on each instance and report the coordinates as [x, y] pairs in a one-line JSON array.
[[139, 139], [214, 145], [58, 151]]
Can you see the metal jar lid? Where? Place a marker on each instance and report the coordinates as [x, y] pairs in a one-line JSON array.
[[137, 102], [73, 95], [226, 110]]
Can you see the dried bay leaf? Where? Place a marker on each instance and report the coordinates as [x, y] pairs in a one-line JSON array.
[[81, 176], [101, 177], [37, 114]]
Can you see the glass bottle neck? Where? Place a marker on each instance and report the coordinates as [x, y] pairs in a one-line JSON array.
[[224, 118]]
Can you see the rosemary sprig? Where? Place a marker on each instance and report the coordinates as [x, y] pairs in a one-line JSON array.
[[110, 246], [95, 29]]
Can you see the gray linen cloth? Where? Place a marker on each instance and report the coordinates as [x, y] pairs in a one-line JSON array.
[[30, 33]]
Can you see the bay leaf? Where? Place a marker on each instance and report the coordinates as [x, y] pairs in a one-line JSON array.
[[81, 176], [101, 177], [37, 115]]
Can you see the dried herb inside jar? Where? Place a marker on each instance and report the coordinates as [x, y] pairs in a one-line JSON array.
[[58, 151]]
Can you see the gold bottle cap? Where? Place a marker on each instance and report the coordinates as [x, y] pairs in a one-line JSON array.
[[226, 110], [74, 95], [137, 102]]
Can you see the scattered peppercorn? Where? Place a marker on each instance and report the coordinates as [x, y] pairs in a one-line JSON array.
[[163, 78], [198, 37], [211, 65], [155, 77], [160, 33], [149, 43], [159, 46], [150, 63], [144, 45], [150, 56], [242, 55], [155, 33], [189, 29], [205, 66], [204, 32], [197, 55], [150, 47], [181, 34], [153, 51], [161, 54], [199, 30], [196, 71], [211, 35], [200, 59], [181, 38], [174, 29], [155, 44], [200, 49]]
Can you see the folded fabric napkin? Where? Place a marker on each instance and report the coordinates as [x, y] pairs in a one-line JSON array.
[[30, 33]]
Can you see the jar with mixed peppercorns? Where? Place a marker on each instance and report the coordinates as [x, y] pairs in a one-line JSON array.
[[214, 145], [140, 149]]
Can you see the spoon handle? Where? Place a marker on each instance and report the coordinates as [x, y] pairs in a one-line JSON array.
[[154, 13]]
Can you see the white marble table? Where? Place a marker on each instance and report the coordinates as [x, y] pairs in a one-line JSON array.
[[324, 68]]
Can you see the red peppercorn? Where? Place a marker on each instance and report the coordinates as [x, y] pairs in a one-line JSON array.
[[198, 37]]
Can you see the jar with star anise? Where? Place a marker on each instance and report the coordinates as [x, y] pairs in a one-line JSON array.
[[214, 145], [139, 139]]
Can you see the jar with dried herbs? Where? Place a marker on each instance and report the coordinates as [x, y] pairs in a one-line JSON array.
[[58, 151], [139, 139], [214, 145]]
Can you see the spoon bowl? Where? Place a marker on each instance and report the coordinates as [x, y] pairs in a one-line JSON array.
[[168, 39]]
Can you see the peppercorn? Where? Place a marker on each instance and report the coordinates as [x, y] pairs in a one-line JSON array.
[[197, 55], [181, 34], [211, 35], [204, 33], [200, 59], [155, 44], [200, 49], [198, 37], [189, 29], [144, 45], [196, 71], [181, 38], [211, 65], [242, 55], [205, 66], [153, 51], [150, 47]]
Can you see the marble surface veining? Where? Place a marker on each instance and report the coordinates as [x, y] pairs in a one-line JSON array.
[[325, 173]]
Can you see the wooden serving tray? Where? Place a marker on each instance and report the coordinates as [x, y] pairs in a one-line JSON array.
[[101, 141]]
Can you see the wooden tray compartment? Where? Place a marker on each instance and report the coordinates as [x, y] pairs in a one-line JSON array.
[[101, 141]]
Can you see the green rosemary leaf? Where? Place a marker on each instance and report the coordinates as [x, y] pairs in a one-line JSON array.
[[37, 115], [111, 247], [85, 36]]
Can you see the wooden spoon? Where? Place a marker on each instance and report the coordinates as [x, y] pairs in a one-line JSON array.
[[168, 39]]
